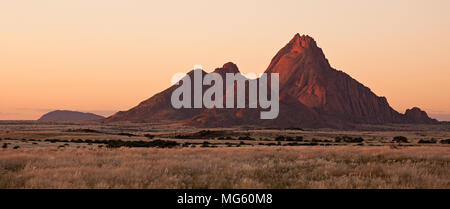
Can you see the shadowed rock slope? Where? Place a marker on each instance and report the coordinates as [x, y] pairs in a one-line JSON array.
[[312, 95]]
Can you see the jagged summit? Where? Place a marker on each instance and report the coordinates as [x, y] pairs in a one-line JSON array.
[[303, 41], [299, 51], [228, 67]]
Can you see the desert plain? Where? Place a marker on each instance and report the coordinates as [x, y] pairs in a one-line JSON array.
[[169, 156]]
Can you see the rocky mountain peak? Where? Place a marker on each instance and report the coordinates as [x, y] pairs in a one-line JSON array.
[[228, 67]]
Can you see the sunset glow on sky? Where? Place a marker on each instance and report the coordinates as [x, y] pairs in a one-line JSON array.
[[104, 56]]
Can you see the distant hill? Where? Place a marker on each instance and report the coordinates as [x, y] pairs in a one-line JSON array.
[[67, 115]]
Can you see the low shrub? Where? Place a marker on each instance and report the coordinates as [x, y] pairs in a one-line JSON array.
[[347, 139], [126, 134], [85, 130], [320, 140], [280, 138], [299, 138], [427, 141], [354, 140], [246, 138], [149, 136], [445, 141], [400, 139]]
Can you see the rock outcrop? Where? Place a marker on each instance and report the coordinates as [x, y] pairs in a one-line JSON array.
[[416, 115], [312, 94]]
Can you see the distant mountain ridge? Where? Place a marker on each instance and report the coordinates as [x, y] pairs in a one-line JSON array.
[[312, 94], [67, 115]]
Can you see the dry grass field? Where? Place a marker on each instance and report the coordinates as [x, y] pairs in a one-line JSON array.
[[244, 167], [87, 155]]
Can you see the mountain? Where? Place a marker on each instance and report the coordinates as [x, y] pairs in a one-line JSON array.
[[312, 94], [306, 75], [66, 115]]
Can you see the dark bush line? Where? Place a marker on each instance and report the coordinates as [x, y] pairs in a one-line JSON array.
[[23, 139], [246, 138], [89, 141], [182, 137], [126, 134], [309, 144], [400, 139], [289, 138], [208, 144], [348, 139], [208, 134], [229, 144], [243, 143], [294, 128], [120, 143], [290, 144], [84, 130], [445, 141], [77, 140], [56, 140], [203, 134], [155, 143], [225, 138], [321, 140], [427, 141], [354, 140], [149, 136], [299, 138]]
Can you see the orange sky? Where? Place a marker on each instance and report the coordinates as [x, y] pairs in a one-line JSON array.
[[103, 56]]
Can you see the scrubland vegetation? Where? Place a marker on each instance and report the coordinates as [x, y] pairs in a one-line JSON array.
[[95, 155], [234, 167]]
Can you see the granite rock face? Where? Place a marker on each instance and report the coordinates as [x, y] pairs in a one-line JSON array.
[[312, 95], [306, 75], [416, 115]]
